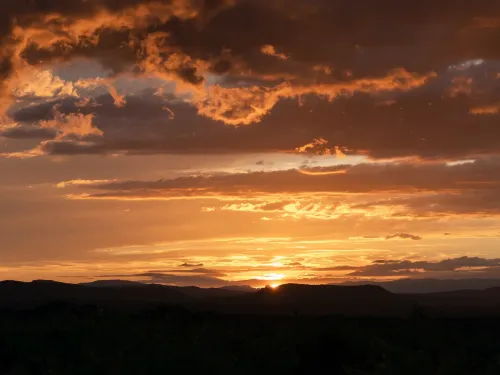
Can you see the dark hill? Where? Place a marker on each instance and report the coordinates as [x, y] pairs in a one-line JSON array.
[[407, 286], [364, 300], [205, 293], [287, 299], [112, 283], [333, 299], [460, 303], [191, 291], [25, 295]]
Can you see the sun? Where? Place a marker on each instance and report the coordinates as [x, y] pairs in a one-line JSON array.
[[275, 278]]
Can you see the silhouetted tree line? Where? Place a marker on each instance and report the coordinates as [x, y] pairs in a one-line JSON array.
[[61, 339]]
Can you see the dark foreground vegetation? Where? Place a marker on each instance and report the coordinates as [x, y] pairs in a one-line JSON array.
[[66, 339], [50, 328]]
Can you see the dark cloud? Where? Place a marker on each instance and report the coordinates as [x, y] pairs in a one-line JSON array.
[[183, 280], [202, 277], [28, 132], [370, 38], [415, 124], [336, 268], [404, 236], [112, 32], [481, 202], [191, 265], [363, 178], [453, 268], [396, 190], [202, 271], [294, 264], [323, 39], [463, 266]]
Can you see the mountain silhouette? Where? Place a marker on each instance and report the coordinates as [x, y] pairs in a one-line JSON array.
[[287, 299], [460, 303], [112, 283], [25, 295], [330, 299], [432, 285]]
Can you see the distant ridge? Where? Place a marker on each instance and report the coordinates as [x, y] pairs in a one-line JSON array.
[[242, 288], [29, 294], [431, 285], [346, 300], [365, 300], [112, 283], [341, 299]]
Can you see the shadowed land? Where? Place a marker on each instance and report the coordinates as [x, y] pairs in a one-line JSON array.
[[131, 328]]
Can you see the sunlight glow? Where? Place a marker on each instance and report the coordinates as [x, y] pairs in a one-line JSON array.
[[325, 173], [271, 276]]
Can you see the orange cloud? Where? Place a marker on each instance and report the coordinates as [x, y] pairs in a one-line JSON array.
[[247, 105], [170, 112], [119, 100], [322, 172], [323, 68], [294, 209], [52, 31], [460, 85], [269, 50], [65, 184], [40, 83], [156, 56], [372, 190], [492, 109], [318, 146], [73, 124], [318, 142]]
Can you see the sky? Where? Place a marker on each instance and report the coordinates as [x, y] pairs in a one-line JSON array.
[[249, 142]]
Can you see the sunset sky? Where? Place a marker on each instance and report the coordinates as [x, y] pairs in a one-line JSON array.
[[231, 142]]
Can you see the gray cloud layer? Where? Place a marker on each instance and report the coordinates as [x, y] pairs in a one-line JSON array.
[[328, 43], [422, 189], [447, 267], [452, 268], [404, 236]]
